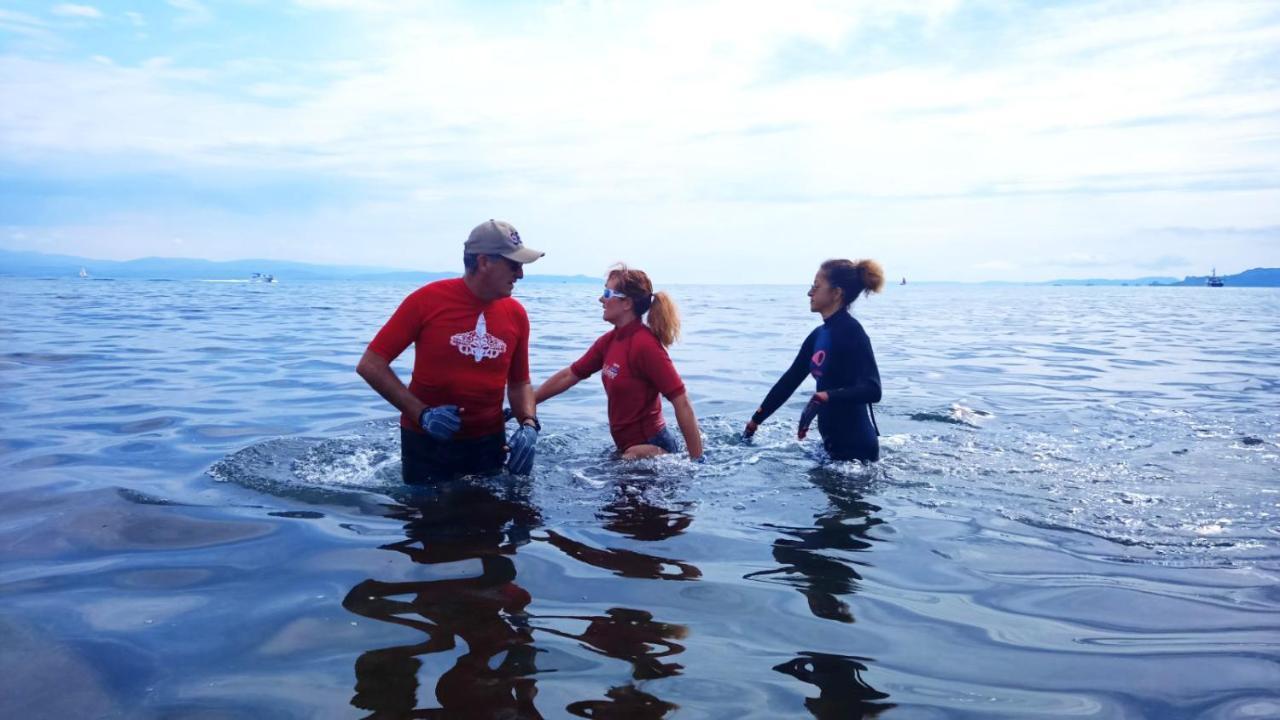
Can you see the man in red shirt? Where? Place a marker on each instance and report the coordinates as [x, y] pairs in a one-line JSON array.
[[471, 340]]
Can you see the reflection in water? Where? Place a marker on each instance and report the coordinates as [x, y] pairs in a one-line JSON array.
[[842, 691], [624, 703], [631, 515], [626, 563], [487, 611], [630, 635], [494, 677], [824, 578]]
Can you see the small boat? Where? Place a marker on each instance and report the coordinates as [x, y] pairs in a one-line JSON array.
[[1214, 280], [84, 274], [904, 281], [262, 278]]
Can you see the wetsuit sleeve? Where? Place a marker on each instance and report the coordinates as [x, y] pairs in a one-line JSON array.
[[657, 367], [590, 363], [865, 387], [518, 374], [788, 383], [401, 330]]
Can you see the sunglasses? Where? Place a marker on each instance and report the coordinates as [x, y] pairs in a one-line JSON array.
[[610, 293]]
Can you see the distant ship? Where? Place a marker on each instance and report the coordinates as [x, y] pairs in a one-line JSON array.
[[84, 273], [1214, 280], [262, 278]]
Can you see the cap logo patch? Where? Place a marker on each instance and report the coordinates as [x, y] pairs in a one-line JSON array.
[[515, 237]]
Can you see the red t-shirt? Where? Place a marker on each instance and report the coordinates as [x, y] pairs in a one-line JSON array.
[[466, 351], [636, 369]]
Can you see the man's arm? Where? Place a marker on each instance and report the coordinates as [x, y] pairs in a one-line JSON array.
[[688, 425], [521, 399], [378, 373]]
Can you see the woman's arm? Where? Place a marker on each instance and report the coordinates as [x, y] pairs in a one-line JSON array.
[[688, 423], [556, 384], [785, 386]]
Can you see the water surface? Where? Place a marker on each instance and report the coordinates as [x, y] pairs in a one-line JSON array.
[[1076, 514]]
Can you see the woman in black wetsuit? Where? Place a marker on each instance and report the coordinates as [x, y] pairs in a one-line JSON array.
[[838, 355]]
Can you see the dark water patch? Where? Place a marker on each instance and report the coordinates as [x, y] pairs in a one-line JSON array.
[[298, 514], [136, 427], [97, 523], [49, 460], [47, 358]]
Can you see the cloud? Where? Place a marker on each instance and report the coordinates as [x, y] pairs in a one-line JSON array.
[[1268, 232], [926, 127], [76, 11], [16, 23], [1079, 260], [193, 12], [1164, 262]]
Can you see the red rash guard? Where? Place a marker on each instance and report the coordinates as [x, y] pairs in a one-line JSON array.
[[466, 351], [636, 369]]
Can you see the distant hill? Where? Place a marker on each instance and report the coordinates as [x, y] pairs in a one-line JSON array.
[[1257, 277], [34, 264], [1107, 281]]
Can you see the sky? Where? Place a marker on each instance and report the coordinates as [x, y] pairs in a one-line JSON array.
[[706, 142]]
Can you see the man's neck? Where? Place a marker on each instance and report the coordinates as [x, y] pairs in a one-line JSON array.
[[474, 285]]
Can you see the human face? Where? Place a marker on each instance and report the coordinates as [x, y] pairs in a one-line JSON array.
[[823, 298], [616, 306], [500, 275]]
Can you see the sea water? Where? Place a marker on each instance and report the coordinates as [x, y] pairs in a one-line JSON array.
[[1075, 514]]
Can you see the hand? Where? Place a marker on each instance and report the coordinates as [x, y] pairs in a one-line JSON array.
[[809, 413], [521, 444], [750, 430], [701, 459], [441, 422]]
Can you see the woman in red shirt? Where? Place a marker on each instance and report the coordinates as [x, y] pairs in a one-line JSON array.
[[635, 368]]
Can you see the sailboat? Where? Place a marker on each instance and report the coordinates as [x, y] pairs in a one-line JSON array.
[[1214, 280], [84, 274]]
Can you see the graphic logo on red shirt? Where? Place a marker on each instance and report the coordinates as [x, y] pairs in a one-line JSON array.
[[612, 371], [478, 343]]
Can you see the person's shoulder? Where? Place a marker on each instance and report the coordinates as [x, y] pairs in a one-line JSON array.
[[438, 288], [648, 340], [607, 337], [850, 324], [512, 307]]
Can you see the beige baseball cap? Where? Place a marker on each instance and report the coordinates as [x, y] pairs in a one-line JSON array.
[[494, 237]]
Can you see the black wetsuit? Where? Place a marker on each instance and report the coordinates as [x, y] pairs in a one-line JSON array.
[[838, 355]]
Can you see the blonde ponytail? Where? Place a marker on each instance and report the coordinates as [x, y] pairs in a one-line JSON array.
[[664, 319], [872, 276]]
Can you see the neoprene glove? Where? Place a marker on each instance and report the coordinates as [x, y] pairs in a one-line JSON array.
[[807, 415], [440, 422], [520, 461]]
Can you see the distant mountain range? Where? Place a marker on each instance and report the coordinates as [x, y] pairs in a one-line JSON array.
[[1111, 281], [34, 264], [1257, 277]]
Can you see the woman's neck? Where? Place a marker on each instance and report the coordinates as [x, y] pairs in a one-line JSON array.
[[624, 321]]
